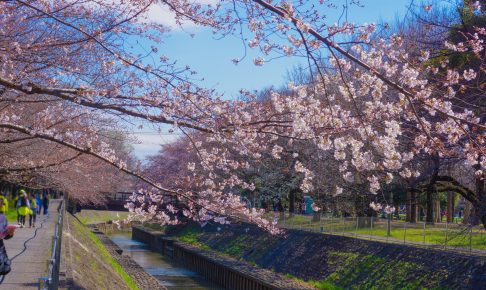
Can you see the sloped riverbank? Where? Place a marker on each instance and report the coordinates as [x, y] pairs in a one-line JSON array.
[[143, 279], [87, 263], [340, 262]]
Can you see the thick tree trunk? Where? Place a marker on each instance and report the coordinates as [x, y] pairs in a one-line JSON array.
[[467, 213], [479, 208], [478, 214], [408, 207], [430, 205], [411, 205], [431, 189], [413, 202], [450, 206], [438, 211]]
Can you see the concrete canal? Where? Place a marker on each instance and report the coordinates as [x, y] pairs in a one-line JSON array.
[[169, 273]]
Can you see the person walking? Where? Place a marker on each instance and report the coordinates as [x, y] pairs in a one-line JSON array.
[[38, 199], [45, 202], [6, 232], [24, 208], [16, 203], [4, 207], [33, 211]]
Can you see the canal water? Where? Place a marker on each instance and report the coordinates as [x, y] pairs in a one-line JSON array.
[[169, 273]]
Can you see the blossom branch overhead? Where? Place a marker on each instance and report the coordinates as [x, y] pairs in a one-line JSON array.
[[369, 103]]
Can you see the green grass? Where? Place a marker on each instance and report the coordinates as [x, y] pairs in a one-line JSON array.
[[456, 235], [237, 246], [100, 216], [324, 285], [190, 235], [358, 271], [114, 264], [321, 285]]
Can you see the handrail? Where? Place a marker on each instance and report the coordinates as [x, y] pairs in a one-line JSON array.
[[51, 282]]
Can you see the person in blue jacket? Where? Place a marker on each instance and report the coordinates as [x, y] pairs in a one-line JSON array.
[[39, 203]]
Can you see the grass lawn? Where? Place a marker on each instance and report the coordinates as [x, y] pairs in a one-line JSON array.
[[456, 235]]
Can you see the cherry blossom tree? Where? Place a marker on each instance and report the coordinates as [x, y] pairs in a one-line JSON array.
[[77, 56]]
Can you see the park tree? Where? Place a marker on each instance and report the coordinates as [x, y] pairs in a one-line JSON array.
[[438, 30], [79, 55], [36, 163]]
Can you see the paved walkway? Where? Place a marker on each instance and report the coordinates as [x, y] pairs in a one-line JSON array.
[[32, 264]]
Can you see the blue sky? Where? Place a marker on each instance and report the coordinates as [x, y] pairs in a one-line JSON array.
[[211, 58]]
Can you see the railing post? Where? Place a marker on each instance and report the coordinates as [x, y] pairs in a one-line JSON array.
[[52, 281], [343, 225], [470, 237], [332, 225], [446, 235], [404, 232], [388, 226], [424, 233], [371, 228], [320, 222]]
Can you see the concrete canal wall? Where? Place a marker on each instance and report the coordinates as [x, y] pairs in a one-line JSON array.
[[225, 271]]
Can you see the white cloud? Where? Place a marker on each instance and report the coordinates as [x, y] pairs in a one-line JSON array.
[[161, 14], [150, 144]]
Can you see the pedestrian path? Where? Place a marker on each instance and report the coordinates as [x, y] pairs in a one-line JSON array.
[[32, 263]]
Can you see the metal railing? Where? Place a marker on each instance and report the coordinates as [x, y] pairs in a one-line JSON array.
[[51, 282], [444, 236]]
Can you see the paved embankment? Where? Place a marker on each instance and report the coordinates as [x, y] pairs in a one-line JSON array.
[[31, 263]]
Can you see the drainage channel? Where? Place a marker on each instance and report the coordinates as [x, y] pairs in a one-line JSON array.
[[170, 274]]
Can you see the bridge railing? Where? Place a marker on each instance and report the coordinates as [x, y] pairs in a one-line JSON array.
[[51, 282]]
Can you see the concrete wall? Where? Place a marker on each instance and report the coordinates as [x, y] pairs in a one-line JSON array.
[[227, 272]]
